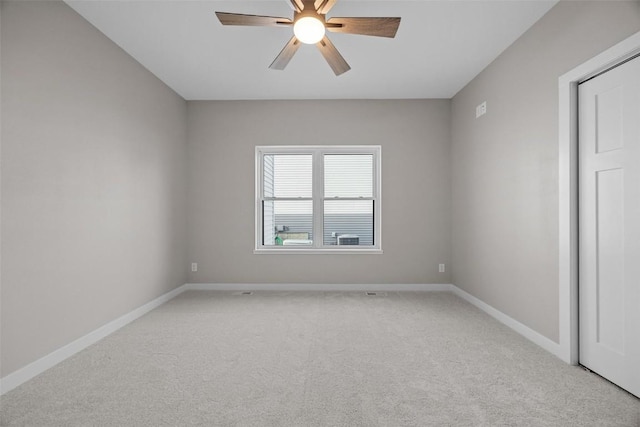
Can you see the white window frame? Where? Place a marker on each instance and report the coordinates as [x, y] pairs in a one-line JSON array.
[[318, 198]]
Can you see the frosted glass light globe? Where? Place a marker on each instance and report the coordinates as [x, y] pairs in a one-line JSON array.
[[308, 30]]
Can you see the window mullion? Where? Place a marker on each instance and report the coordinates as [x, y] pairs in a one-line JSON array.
[[318, 199]]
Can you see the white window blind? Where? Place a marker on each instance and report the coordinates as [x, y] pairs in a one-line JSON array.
[[348, 199], [348, 175]]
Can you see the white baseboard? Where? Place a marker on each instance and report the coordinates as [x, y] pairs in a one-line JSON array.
[[23, 375], [544, 342], [316, 287]]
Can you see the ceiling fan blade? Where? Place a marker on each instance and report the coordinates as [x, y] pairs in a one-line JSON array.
[[381, 27], [333, 57], [324, 6], [252, 20], [297, 5], [286, 54]]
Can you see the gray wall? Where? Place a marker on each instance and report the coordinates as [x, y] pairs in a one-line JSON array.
[[94, 178], [1, 237], [93, 182], [414, 136], [505, 164]]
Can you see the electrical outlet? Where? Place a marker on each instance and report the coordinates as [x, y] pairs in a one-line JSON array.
[[481, 109], [194, 266], [441, 268]]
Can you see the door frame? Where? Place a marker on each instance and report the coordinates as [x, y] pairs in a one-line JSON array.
[[568, 188]]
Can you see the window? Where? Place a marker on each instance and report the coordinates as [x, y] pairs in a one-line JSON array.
[[318, 199]]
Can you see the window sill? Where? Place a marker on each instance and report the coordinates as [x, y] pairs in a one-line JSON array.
[[315, 251]]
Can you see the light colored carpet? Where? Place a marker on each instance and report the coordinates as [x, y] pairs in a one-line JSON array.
[[317, 359]]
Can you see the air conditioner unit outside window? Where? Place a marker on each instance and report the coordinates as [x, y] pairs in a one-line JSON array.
[[348, 239]]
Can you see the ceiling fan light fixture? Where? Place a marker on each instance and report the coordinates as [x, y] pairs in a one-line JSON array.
[[309, 30], [309, 25]]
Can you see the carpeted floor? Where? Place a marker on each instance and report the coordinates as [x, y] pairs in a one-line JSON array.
[[317, 359]]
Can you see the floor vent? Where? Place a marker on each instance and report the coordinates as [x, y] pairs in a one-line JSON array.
[[376, 294], [243, 293]]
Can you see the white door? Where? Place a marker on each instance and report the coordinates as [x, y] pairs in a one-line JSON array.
[[609, 165]]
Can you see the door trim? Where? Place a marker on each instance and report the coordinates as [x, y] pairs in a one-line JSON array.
[[568, 188]]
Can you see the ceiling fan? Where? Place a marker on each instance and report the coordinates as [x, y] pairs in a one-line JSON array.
[[309, 24]]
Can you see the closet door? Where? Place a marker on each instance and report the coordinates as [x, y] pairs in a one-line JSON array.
[[609, 181]]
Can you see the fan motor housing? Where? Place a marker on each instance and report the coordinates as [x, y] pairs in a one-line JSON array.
[[310, 12]]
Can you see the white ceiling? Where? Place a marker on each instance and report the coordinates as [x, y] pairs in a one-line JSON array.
[[440, 46]]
